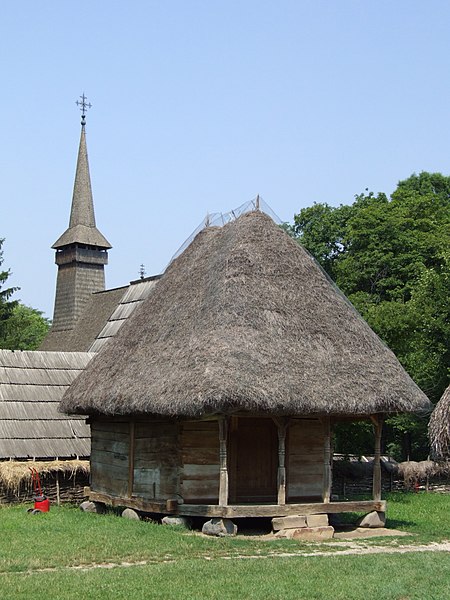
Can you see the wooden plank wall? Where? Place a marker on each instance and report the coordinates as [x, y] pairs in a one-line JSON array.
[[200, 462], [305, 454], [109, 456], [156, 460]]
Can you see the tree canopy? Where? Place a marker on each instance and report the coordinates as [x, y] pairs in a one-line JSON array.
[[21, 327], [391, 257]]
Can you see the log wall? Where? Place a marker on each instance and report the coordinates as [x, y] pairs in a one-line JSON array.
[[305, 456], [156, 460], [200, 463], [110, 447]]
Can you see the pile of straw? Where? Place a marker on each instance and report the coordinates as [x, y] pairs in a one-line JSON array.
[[412, 471], [13, 474]]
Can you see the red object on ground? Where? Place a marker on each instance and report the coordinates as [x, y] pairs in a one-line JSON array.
[[41, 502]]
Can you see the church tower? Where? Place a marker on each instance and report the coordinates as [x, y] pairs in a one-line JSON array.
[[81, 251]]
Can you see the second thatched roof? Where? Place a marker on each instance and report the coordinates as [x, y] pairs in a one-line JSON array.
[[439, 427], [244, 319]]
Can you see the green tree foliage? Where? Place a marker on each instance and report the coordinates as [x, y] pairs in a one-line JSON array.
[[391, 258], [6, 305], [21, 327], [25, 329]]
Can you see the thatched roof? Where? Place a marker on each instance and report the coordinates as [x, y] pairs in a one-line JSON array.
[[439, 427], [245, 319], [32, 384]]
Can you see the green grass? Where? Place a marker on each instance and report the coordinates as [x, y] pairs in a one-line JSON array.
[[44, 556]]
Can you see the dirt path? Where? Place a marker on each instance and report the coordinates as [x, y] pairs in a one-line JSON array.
[[348, 549]]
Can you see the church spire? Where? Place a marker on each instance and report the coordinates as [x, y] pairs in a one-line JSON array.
[[81, 251], [82, 229]]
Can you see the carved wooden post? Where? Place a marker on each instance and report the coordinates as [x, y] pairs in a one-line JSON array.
[[282, 425], [377, 426], [223, 477], [326, 490], [131, 460]]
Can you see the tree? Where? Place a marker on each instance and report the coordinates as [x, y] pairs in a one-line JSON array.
[[390, 257], [21, 327], [6, 305], [25, 329]]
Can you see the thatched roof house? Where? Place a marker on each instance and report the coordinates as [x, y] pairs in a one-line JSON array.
[[244, 338], [439, 427]]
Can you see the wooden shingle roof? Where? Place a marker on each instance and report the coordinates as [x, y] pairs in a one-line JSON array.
[[32, 384]]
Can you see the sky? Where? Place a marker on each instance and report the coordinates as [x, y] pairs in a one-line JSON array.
[[200, 105]]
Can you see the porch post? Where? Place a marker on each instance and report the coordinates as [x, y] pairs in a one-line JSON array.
[[223, 476], [282, 425], [377, 426], [326, 490], [131, 460]]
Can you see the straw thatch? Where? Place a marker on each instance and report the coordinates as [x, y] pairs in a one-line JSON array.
[[14, 473], [439, 427], [245, 319], [32, 384]]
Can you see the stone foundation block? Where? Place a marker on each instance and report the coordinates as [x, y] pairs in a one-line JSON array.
[[313, 533], [179, 521], [317, 520], [219, 527], [131, 514], [294, 522], [93, 507], [372, 520]]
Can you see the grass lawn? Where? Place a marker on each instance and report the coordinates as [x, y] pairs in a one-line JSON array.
[[51, 556]]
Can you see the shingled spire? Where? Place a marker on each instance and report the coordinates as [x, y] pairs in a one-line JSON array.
[[81, 251]]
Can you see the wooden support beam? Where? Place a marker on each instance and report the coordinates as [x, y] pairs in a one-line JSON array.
[[282, 425], [131, 460], [234, 511], [223, 473], [377, 421], [327, 475]]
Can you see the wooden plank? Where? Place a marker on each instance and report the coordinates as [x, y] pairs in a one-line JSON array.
[[136, 503], [110, 436], [191, 489], [200, 456], [102, 445], [275, 510], [378, 427], [326, 490], [131, 460], [223, 467], [201, 426], [200, 472], [203, 439], [110, 426]]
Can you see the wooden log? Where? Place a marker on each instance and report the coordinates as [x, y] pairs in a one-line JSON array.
[[131, 460], [223, 476], [275, 510], [282, 425], [378, 427], [326, 491]]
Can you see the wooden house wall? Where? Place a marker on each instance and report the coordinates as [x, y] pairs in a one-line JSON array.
[[200, 462], [305, 456], [110, 446], [156, 460]]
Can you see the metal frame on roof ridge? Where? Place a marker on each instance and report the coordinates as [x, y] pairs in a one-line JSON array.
[[220, 219]]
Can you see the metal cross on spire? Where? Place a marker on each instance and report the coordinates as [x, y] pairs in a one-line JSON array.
[[83, 106]]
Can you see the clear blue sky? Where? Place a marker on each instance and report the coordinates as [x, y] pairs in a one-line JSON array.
[[200, 105]]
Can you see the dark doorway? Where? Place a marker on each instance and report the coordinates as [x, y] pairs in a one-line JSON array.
[[253, 462]]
